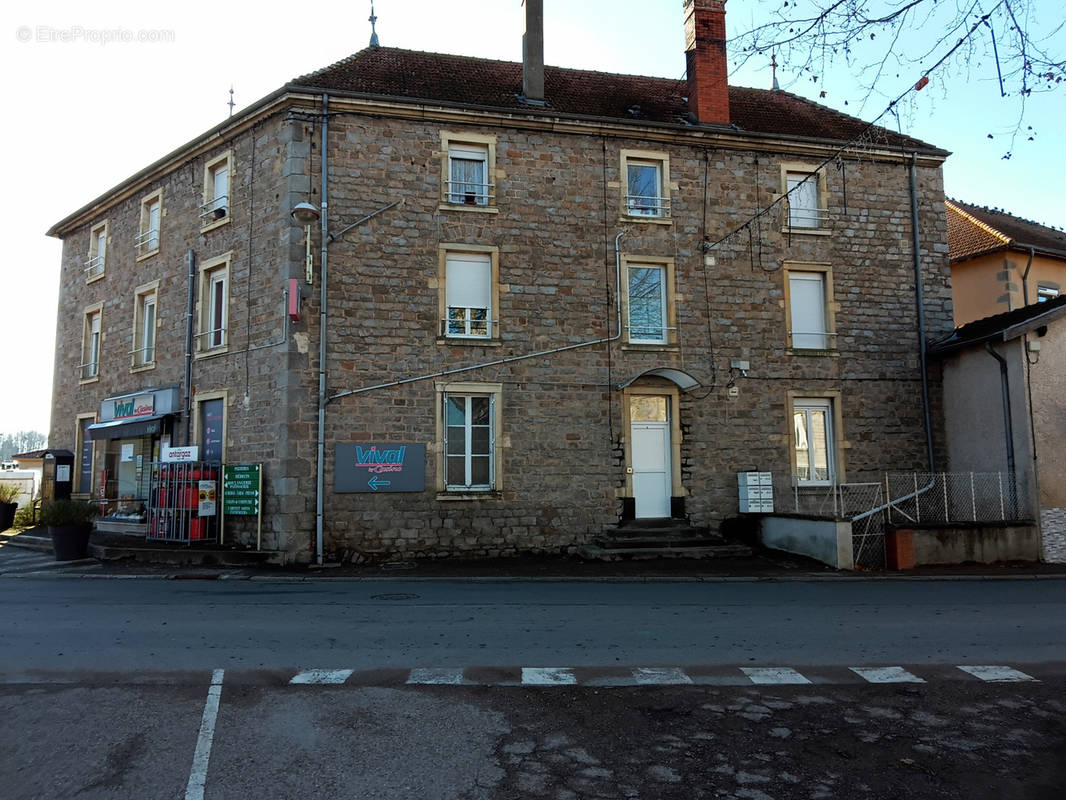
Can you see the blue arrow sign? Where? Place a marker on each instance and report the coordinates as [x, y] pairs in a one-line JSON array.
[[375, 482]]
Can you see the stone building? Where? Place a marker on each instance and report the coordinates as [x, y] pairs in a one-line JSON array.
[[555, 300]]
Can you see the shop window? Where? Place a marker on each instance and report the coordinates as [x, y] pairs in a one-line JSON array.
[[211, 426], [146, 241], [469, 163], [97, 261], [84, 452], [215, 210]]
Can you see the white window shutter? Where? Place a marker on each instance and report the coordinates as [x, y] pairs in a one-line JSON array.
[[807, 306], [468, 281]]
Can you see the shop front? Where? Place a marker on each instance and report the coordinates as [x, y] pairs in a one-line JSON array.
[[130, 435]]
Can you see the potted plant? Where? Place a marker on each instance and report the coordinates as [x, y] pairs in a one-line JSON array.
[[8, 493], [70, 522]]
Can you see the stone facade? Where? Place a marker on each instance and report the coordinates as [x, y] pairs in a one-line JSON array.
[[564, 446]]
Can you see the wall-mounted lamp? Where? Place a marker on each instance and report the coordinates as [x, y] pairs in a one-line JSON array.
[[306, 214]]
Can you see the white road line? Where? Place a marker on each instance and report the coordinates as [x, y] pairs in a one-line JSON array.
[[200, 759], [324, 676], [886, 675], [548, 676], [434, 675], [995, 674], [660, 676], [773, 675]]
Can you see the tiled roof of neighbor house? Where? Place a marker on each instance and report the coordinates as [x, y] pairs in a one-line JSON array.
[[435, 77], [990, 328], [29, 456], [975, 230]]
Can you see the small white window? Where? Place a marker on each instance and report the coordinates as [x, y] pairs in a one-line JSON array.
[[644, 196], [1045, 292], [147, 239], [217, 311], [468, 295], [812, 421], [468, 169], [144, 325], [213, 333], [804, 206], [808, 311], [469, 442], [647, 304], [92, 339], [216, 205], [94, 266]]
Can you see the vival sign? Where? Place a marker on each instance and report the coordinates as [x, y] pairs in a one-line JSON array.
[[380, 467]]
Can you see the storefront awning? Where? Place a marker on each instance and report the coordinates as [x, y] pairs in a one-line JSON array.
[[127, 428]]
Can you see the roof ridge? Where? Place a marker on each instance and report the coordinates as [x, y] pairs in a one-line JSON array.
[[954, 206]]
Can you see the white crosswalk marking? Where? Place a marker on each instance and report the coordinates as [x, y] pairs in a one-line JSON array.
[[17, 561], [886, 675], [433, 675], [322, 676], [773, 675], [659, 676], [995, 674], [548, 676]]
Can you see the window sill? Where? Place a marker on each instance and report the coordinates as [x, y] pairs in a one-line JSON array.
[[631, 218], [142, 367], [149, 254], [214, 351], [463, 342], [810, 231], [465, 207], [85, 381], [638, 347], [488, 494], [94, 278], [811, 351], [217, 223]]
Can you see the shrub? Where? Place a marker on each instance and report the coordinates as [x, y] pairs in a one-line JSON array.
[[24, 517], [9, 491], [68, 512]]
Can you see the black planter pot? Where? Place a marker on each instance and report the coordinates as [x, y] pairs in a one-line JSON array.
[[7, 515], [70, 542]]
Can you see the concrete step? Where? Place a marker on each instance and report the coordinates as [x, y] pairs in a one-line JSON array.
[[594, 552]]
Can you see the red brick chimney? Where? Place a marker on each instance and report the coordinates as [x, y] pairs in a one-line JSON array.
[[708, 89]]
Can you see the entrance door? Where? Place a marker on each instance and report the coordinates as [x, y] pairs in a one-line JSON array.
[[649, 417]]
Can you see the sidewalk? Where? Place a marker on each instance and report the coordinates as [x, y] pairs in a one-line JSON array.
[[124, 556]]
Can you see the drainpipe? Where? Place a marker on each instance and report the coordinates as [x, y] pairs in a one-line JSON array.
[[191, 257], [920, 297], [321, 457], [1008, 428], [1025, 276]]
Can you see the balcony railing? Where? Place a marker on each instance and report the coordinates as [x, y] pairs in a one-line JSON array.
[[465, 193], [639, 205], [146, 241], [94, 267], [214, 210]]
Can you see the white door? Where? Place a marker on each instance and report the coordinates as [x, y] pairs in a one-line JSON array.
[[650, 437]]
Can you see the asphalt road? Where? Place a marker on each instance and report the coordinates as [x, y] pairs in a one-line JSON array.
[[179, 625], [206, 690]]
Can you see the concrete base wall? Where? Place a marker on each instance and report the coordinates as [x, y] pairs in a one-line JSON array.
[[984, 545], [825, 540], [1053, 527]]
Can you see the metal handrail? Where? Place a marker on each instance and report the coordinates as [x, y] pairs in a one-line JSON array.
[[93, 263], [655, 207], [145, 239], [212, 207], [482, 196]]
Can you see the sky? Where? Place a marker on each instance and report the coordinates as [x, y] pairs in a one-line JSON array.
[[100, 90]]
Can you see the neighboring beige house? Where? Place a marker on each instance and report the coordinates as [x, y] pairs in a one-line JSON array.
[[557, 300], [1000, 262], [1004, 390]]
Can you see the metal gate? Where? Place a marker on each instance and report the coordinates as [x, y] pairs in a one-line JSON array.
[[182, 505]]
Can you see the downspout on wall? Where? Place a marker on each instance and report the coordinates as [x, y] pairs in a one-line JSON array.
[[320, 458], [920, 299], [191, 257], [1008, 425]]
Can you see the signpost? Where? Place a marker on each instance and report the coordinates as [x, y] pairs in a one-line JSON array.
[[242, 489]]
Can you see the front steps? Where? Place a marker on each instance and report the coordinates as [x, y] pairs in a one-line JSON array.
[[660, 538]]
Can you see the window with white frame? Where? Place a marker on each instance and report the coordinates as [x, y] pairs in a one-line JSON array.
[[809, 317], [804, 199], [647, 187], [468, 294], [216, 206], [95, 264], [469, 442], [214, 305], [813, 443], [144, 326], [147, 239], [92, 339], [468, 174], [647, 315], [1046, 291]]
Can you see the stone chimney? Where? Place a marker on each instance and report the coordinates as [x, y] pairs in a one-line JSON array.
[[708, 89], [533, 53]]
